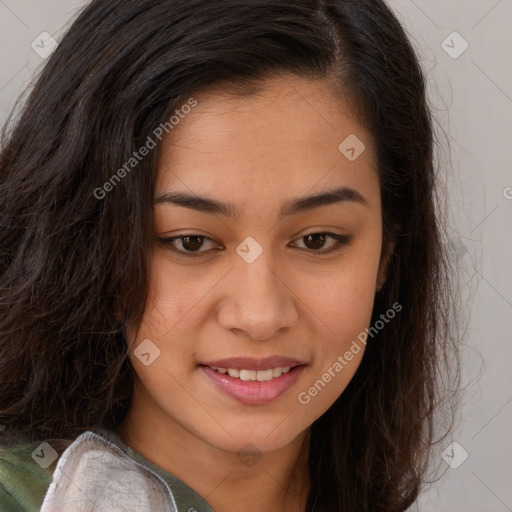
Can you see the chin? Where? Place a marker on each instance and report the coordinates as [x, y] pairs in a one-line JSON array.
[[273, 437]]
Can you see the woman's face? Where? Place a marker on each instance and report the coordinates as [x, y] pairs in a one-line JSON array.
[[247, 293]]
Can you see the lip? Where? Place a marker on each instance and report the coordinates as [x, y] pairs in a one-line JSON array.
[[250, 363], [252, 392]]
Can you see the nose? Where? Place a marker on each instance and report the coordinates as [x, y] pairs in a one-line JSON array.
[[258, 303]]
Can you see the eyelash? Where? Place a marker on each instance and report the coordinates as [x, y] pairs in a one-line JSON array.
[[341, 240]]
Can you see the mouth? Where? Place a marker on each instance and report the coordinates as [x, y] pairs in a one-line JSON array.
[[253, 382]]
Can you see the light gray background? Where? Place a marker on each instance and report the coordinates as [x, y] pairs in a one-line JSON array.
[[473, 99]]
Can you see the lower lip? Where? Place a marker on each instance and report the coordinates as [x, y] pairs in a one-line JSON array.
[[254, 392]]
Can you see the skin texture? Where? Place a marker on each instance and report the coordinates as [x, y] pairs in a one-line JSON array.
[[258, 153]]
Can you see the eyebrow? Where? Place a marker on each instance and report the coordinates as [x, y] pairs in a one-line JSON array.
[[297, 205]]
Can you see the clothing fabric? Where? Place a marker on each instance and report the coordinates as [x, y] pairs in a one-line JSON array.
[[97, 472]]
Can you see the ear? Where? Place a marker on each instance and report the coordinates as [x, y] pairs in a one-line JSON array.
[[385, 257]]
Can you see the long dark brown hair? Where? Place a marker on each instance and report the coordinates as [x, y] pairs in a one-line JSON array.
[[74, 268]]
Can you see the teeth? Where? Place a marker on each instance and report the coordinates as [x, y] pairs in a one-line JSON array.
[[248, 375], [252, 375], [265, 374]]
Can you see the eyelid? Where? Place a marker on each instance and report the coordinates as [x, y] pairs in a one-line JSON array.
[[339, 242]]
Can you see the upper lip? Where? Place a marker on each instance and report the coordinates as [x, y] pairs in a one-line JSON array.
[[249, 363]]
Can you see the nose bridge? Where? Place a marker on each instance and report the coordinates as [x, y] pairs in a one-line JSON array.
[[259, 302], [257, 278]]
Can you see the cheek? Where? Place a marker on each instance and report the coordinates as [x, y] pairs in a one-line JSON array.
[[173, 295], [341, 300], [169, 306], [341, 296], [343, 304], [338, 349]]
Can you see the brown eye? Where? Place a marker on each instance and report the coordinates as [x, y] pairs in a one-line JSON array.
[[192, 243], [316, 241], [186, 245]]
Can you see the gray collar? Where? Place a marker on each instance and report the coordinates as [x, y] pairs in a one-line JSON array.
[[95, 474]]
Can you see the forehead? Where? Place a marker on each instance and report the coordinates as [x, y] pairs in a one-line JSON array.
[[284, 139]]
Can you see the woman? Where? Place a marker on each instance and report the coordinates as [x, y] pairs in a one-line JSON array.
[[223, 277]]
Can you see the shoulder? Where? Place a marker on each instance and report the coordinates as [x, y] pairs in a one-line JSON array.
[[25, 475], [93, 469]]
